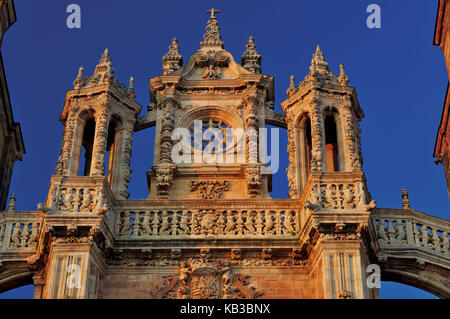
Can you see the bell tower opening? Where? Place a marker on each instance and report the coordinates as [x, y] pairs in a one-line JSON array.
[[111, 150], [87, 148], [331, 142], [304, 149]]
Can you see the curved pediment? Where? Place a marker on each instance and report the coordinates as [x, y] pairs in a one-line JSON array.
[[211, 65]]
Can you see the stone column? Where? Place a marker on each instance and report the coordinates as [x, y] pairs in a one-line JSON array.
[[122, 172], [64, 166], [100, 140], [344, 270], [352, 156], [70, 271], [317, 137]]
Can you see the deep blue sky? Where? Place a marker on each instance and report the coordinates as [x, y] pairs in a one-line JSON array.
[[399, 75]]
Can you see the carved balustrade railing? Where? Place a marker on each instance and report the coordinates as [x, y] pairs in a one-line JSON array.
[[222, 221], [19, 231], [405, 228], [79, 194], [337, 190]]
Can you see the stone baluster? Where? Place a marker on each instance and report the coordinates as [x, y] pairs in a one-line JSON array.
[[259, 223], [317, 137], [239, 223], [174, 223], [445, 242], [278, 223]]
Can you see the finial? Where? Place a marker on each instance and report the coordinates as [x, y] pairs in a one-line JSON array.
[[131, 92], [291, 89], [79, 79], [405, 199], [131, 86], [173, 60], [12, 203], [319, 67], [251, 59], [343, 78], [212, 38], [104, 70]]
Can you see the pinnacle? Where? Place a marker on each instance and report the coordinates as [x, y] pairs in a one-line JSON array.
[[212, 37]]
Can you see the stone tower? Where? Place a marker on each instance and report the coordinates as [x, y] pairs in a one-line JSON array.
[[209, 228], [210, 95]]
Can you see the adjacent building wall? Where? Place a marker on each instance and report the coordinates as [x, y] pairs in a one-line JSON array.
[[11, 142], [441, 35]]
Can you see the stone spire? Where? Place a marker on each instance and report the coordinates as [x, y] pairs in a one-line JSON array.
[[291, 89], [251, 59], [405, 199], [130, 91], [12, 203], [104, 71], [319, 71], [79, 80], [212, 38], [343, 78], [173, 60]]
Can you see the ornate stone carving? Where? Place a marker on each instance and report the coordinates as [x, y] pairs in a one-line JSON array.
[[209, 189], [173, 60], [204, 279], [212, 36], [251, 59], [211, 62]]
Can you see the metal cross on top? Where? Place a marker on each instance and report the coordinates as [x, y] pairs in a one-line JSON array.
[[212, 12]]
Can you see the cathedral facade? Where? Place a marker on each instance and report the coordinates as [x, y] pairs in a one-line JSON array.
[[209, 227]]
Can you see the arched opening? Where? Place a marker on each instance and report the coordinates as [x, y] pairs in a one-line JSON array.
[[304, 147], [86, 148], [24, 292], [331, 142], [111, 149], [394, 290]]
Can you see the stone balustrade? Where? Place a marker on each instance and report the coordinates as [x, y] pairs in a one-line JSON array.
[[79, 194], [19, 231], [200, 222], [400, 228]]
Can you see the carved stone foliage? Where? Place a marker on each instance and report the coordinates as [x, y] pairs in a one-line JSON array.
[[24, 235], [209, 189], [208, 222]]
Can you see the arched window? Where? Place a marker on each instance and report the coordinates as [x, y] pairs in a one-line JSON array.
[[87, 147], [111, 149], [331, 142], [304, 150]]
